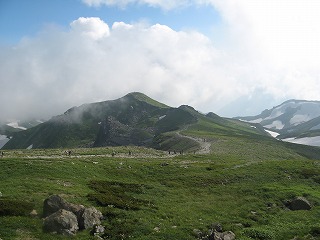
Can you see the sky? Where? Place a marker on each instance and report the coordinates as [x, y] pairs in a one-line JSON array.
[[231, 57]]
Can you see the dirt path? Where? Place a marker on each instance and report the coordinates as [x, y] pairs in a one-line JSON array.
[[204, 145]]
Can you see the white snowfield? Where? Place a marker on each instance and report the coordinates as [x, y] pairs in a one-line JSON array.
[[312, 141], [304, 111], [16, 125]]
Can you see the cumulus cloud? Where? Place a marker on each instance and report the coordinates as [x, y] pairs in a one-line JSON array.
[[92, 27], [273, 44], [266, 47], [57, 69]]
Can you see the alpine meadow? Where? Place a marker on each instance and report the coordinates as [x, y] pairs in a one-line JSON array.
[[157, 172]]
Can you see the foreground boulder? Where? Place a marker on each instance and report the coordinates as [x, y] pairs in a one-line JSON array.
[[89, 218], [62, 222], [54, 203], [299, 203], [66, 218]]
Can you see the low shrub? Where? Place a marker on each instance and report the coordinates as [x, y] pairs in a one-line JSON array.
[[260, 234], [116, 194], [9, 207]]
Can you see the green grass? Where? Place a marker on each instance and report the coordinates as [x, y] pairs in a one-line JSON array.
[[243, 184]]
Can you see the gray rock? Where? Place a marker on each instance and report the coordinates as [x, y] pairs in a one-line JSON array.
[[90, 217], [62, 221], [224, 236], [97, 230], [55, 203], [217, 227], [197, 233], [300, 203]]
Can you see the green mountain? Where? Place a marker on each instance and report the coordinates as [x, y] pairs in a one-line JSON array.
[[138, 120]]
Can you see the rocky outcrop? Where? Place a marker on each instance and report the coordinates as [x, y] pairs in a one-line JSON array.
[[62, 222], [67, 218]]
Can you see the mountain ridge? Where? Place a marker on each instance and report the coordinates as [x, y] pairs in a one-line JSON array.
[[134, 119], [293, 120]]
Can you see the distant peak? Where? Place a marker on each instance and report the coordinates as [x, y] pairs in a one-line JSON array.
[[144, 98]]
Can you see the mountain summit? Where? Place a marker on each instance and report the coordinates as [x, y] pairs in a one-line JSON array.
[[133, 119]]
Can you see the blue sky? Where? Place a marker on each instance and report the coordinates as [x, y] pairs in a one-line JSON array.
[[232, 57], [25, 18]]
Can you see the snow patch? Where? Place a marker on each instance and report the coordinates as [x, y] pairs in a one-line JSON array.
[[30, 147], [39, 121], [161, 117], [275, 125], [273, 134], [312, 141], [16, 125]]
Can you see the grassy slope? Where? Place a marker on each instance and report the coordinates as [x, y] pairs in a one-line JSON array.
[[241, 184]]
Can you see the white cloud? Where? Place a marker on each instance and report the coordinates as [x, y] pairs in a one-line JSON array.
[[93, 27], [164, 4], [57, 69], [265, 47], [274, 44]]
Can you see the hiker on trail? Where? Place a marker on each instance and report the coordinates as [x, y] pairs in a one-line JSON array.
[[68, 152]]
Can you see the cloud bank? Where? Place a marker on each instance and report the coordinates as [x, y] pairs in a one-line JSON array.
[[266, 47], [58, 69]]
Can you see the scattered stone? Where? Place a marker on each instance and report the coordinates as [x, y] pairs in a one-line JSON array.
[[164, 164], [156, 229], [62, 221], [90, 217], [33, 213], [97, 230], [197, 233], [299, 203], [223, 236], [214, 233], [217, 227]]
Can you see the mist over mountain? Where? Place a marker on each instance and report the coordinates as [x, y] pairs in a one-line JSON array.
[[134, 119]]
